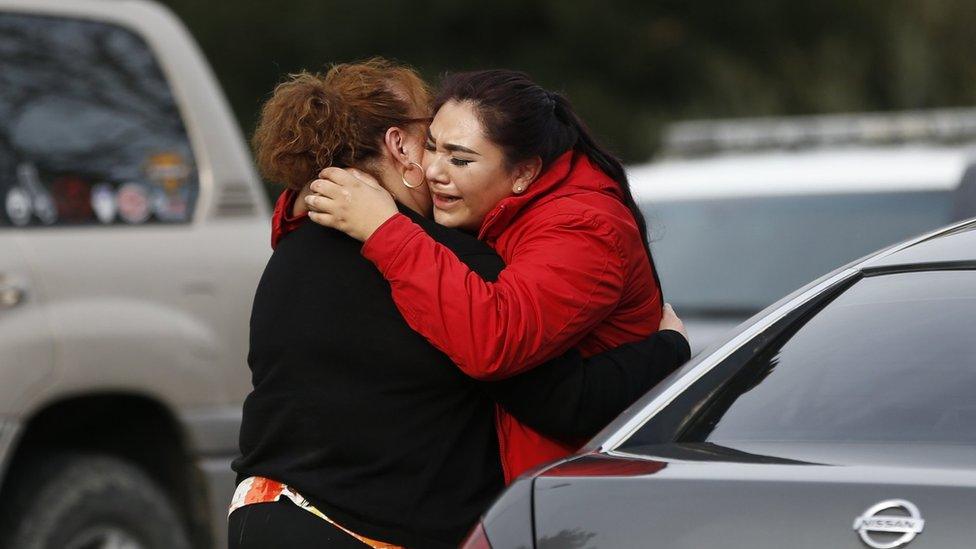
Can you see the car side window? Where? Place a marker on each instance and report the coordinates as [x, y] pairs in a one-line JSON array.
[[891, 359], [90, 133]]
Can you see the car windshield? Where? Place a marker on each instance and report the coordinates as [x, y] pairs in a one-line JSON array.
[[736, 256], [892, 359]]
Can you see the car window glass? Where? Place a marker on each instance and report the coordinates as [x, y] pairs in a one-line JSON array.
[[89, 129], [892, 359], [767, 247]]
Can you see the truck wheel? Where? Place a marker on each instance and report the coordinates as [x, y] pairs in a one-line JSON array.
[[84, 501]]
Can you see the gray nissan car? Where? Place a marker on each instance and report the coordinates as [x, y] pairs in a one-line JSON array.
[[842, 416]]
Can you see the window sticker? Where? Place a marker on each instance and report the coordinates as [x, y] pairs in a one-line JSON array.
[[84, 104], [18, 206], [169, 174], [133, 201], [41, 201], [103, 202], [170, 206], [72, 198]]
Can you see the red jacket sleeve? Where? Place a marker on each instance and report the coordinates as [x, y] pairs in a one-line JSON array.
[[564, 276]]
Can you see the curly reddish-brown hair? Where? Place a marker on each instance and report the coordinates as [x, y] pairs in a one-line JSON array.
[[313, 121]]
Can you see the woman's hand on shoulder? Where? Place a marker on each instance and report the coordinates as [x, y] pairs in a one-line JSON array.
[[350, 201]]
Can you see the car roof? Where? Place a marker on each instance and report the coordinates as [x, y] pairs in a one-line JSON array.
[[70, 5], [954, 248], [805, 172], [127, 8]]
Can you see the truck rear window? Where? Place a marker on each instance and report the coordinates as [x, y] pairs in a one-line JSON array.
[[90, 133], [734, 256]]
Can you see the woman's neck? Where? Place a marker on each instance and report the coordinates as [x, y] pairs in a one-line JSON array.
[[299, 208], [392, 181], [389, 180]]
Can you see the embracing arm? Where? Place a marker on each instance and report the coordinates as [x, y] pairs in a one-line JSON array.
[[568, 397], [564, 278], [571, 398]]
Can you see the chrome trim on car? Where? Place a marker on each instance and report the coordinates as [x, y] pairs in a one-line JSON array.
[[628, 455], [964, 225], [962, 265]]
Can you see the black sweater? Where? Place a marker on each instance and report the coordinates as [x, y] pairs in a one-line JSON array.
[[376, 427]]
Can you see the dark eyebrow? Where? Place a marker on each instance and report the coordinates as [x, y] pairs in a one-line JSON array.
[[450, 146]]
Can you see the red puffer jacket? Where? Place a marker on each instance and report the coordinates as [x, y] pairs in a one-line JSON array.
[[577, 275]]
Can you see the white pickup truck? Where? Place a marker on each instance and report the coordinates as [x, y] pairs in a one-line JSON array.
[[133, 230], [742, 212]]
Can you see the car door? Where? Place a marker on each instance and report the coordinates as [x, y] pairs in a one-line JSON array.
[[26, 349], [138, 211]]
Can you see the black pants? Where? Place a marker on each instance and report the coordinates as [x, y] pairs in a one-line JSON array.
[[283, 525]]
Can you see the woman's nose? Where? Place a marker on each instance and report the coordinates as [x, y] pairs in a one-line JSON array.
[[435, 169]]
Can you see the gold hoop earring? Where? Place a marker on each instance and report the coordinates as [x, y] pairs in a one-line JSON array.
[[407, 184]]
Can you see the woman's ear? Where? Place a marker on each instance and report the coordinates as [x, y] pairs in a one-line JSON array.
[[405, 150], [397, 144], [525, 173]]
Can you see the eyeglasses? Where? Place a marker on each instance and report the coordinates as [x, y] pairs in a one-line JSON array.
[[426, 120]]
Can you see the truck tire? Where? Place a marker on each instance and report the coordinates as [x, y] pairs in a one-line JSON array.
[[87, 501]]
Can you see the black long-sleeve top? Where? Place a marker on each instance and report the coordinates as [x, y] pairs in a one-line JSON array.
[[377, 428]]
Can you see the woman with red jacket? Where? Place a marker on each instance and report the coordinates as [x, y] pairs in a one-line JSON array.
[[511, 162]]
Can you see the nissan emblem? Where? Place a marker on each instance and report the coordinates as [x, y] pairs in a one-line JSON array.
[[873, 522]]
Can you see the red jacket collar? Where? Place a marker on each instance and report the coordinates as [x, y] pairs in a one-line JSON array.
[[571, 173], [282, 221]]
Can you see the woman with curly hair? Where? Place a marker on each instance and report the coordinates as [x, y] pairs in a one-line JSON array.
[[358, 432]]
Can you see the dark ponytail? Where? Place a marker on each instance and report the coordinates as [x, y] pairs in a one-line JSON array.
[[608, 163], [527, 121]]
